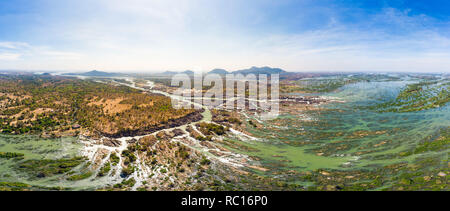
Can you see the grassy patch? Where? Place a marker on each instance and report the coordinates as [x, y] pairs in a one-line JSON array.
[[47, 168], [104, 170], [10, 155], [80, 176], [417, 97]]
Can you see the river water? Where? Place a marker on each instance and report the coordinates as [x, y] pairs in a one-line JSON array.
[[293, 142], [290, 142]]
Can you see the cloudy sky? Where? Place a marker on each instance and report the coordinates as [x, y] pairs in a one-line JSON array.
[[159, 35]]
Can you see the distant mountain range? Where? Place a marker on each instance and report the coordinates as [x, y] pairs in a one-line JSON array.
[[260, 70], [95, 73], [189, 72], [218, 71], [252, 70], [169, 73]]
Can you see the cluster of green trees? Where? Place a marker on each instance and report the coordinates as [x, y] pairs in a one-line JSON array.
[[104, 170], [211, 128], [63, 102]]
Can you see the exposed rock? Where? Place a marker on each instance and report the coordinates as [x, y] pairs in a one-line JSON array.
[[258, 168], [177, 132], [132, 141], [76, 126], [111, 142], [162, 135], [325, 173], [99, 156]]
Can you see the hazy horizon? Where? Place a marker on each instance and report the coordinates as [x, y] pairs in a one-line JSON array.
[[230, 71], [199, 35]]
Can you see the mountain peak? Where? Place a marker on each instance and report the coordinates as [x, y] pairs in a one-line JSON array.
[[95, 73], [261, 70], [218, 71]]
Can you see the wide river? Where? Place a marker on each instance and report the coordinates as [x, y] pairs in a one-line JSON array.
[[291, 142]]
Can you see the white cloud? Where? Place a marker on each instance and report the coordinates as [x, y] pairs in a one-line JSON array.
[[13, 45], [21, 55], [60, 54], [9, 56], [162, 34]]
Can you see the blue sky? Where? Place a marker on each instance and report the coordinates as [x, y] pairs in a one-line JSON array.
[[158, 35]]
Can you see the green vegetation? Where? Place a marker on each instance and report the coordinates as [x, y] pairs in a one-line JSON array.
[[127, 171], [104, 170], [250, 122], [55, 105], [233, 120], [47, 168], [182, 152], [129, 156], [425, 174], [340, 148], [419, 96], [114, 159], [328, 83], [126, 183], [437, 144], [205, 161], [80, 176], [237, 146], [315, 85], [17, 186], [204, 138], [211, 128], [9, 155], [14, 186], [122, 81]]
